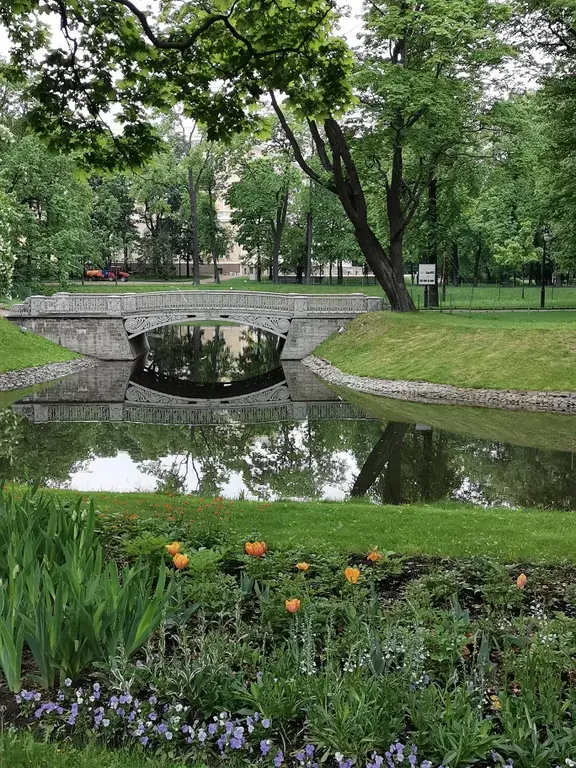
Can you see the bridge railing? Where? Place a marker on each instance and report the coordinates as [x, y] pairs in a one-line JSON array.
[[130, 304]]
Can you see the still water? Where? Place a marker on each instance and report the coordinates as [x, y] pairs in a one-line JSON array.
[[214, 411]]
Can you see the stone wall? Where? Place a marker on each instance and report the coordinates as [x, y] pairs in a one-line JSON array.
[[102, 337], [445, 394], [305, 335]]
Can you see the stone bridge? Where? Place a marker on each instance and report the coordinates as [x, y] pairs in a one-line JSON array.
[[114, 326]]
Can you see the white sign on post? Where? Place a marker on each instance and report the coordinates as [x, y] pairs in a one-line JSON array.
[[427, 274]]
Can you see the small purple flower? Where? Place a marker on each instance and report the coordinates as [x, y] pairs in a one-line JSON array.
[[67, 682], [300, 756], [266, 724], [235, 743], [152, 700], [105, 722], [113, 703], [144, 740], [212, 728], [264, 747], [162, 728], [153, 716], [309, 750], [168, 735], [202, 736], [71, 720], [238, 732], [256, 716], [279, 759]]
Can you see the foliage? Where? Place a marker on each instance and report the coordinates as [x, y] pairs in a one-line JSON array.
[[459, 662], [61, 599]]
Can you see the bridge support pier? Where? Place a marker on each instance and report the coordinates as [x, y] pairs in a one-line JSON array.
[[100, 337], [306, 334]]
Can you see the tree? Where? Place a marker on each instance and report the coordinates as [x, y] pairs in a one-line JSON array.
[[417, 81], [260, 200], [217, 237], [113, 216], [53, 232]]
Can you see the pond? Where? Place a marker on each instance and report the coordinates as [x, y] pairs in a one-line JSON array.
[[213, 410]]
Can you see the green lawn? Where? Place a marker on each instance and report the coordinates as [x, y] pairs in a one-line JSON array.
[[22, 751], [444, 530], [463, 297], [526, 351], [25, 350]]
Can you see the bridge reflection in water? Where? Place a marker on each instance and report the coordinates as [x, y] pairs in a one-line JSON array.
[[120, 391]]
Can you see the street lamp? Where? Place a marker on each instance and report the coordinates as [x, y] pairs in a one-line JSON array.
[[547, 241]]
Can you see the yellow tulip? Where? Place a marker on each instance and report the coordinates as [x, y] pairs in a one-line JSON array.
[[352, 575], [180, 561]]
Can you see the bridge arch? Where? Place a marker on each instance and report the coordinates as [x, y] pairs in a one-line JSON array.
[[136, 325]]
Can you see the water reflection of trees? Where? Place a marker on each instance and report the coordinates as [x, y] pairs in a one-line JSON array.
[[205, 354], [392, 463]]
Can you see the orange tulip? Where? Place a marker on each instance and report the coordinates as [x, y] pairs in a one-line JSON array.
[[292, 606], [173, 548], [521, 581], [302, 566], [374, 555], [180, 561], [352, 575], [255, 548]]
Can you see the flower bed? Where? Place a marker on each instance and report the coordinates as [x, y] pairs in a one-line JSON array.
[[182, 641]]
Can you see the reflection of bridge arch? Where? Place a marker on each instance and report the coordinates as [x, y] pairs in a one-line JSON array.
[[148, 386]]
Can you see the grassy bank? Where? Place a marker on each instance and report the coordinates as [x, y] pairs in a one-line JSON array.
[[25, 350], [437, 530], [525, 351]]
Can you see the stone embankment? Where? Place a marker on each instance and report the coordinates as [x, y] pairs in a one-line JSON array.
[[29, 377], [423, 392]]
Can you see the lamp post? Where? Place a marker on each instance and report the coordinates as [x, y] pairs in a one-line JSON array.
[[547, 240]]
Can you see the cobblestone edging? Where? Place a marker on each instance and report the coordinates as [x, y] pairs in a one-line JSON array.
[[422, 392], [28, 377]]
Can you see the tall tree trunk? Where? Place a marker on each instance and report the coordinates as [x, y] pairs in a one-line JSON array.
[[390, 443], [299, 273], [340, 273], [278, 230], [308, 263], [193, 198], [455, 264], [215, 263], [395, 288], [476, 275], [330, 272], [336, 160], [433, 236]]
